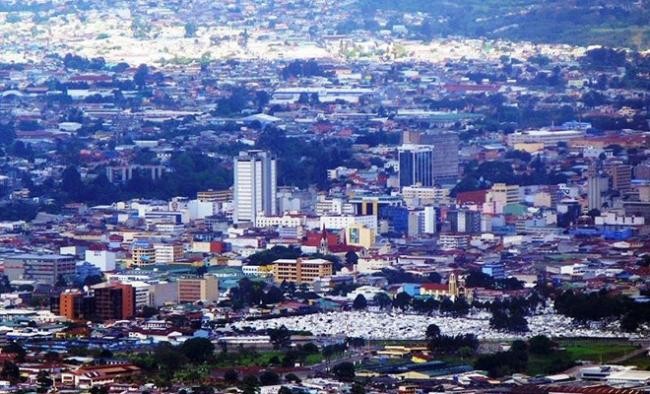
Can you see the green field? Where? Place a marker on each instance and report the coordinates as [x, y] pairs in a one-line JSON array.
[[573, 350], [641, 362], [597, 350]]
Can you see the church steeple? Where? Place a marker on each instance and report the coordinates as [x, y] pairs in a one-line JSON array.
[[453, 286], [323, 247]]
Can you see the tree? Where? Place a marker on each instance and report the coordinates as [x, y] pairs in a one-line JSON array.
[[540, 344], [10, 372], [140, 76], [99, 390], [356, 342], [250, 385], [71, 183], [351, 258], [433, 331], [269, 378], [44, 380], [512, 320], [310, 348], [168, 359], [61, 281], [402, 301], [382, 300], [231, 376], [465, 352], [360, 302], [292, 377], [197, 350], [190, 30], [273, 296], [280, 337], [344, 371], [358, 388]]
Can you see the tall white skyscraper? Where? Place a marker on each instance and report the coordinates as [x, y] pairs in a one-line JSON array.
[[429, 220], [255, 185]]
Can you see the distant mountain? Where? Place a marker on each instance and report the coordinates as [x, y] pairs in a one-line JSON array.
[[620, 23]]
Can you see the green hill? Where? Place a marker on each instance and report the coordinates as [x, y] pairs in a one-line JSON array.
[[622, 23]]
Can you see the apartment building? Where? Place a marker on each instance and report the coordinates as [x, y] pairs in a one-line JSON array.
[[301, 270]]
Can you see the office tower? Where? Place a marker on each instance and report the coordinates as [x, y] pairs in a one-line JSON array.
[[597, 185], [114, 301], [429, 220], [462, 220], [255, 186], [443, 161], [621, 176], [416, 165], [196, 288], [445, 155], [73, 305]]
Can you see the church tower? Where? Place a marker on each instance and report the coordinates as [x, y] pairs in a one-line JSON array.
[[323, 247], [453, 286]]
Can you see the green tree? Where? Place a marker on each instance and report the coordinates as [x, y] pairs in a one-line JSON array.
[[292, 377], [402, 301], [269, 378], [344, 371], [198, 350], [433, 331], [99, 390], [360, 303], [231, 376], [540, 344], [71, 183], [140, 76], [250, 385], [382, 300], [190, 30], [358, 388], [351, 258], [10, 372], [280, 337]]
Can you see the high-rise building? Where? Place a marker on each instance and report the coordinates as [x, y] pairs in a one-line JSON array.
[[416, 165], [74, 305], [620, 174], [430, 220], [463, 220], [445, 158], [596, 185], [445, 155], [196, 288], [114, 301], [255, 185]]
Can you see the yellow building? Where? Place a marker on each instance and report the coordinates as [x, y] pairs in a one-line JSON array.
[[504, 194], [142, 253], [215, 195], [168, 253], [359, 235], [301, 270], [530, 147]]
